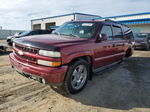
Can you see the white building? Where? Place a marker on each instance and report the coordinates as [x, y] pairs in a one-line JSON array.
[[45, 23], [139, 22]]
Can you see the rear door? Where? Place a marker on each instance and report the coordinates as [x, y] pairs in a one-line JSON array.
[[118, 43]]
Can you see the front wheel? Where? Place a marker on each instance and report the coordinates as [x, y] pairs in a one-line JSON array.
[[76, 77]]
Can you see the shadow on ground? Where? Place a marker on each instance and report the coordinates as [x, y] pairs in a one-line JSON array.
[[123, 87]]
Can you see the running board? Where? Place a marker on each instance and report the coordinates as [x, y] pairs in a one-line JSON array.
[[102, 69]]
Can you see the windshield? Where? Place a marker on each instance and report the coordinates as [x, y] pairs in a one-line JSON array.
[[141, 35], [77, 29], [24, 33]]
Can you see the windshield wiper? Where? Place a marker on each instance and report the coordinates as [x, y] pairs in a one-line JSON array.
[[74, 35], [56, 33]]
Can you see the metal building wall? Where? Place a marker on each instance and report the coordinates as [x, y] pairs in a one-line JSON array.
[[139, 22], [132, 17], [140, 28], [58, 20], [6, 33], [84, 17]]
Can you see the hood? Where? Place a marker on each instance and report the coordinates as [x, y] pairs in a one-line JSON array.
[[50, 41]]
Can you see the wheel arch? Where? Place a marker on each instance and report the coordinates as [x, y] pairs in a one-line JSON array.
[[87, 58], [129, 51]]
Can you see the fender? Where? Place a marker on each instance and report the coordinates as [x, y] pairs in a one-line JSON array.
[[68, 58]]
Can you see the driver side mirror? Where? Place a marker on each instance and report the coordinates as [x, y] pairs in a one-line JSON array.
[[102, 37]]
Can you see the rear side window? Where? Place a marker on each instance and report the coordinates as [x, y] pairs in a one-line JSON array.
[[106, 29], [118, 35], [128, 34]]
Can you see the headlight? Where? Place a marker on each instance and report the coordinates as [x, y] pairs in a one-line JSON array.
[[49, 53], [48, 63]]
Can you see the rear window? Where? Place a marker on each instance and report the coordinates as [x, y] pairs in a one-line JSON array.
[[117, 33]]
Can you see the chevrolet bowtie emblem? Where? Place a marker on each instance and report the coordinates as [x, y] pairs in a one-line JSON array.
[[20, 53]]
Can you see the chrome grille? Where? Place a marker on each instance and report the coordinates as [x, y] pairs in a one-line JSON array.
[[26, 57], [26, 49]]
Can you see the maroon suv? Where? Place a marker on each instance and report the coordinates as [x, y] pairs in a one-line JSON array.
[[73, 53]]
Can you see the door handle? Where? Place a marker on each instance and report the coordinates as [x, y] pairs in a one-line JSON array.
[[113, 45], [121, 44]]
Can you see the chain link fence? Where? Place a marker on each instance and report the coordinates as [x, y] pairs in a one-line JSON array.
[[5, 33]]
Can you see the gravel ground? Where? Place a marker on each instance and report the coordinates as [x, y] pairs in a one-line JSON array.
[[124, 88]]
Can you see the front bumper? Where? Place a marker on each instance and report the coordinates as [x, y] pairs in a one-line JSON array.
[[38, 72]]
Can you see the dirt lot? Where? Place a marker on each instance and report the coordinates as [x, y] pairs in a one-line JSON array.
[[125, 87]]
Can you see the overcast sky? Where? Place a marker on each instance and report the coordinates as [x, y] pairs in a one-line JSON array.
[[17, 14]]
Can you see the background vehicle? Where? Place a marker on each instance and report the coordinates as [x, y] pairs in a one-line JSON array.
[[142, 41], [26, 33], [3, 48], [73, 53]]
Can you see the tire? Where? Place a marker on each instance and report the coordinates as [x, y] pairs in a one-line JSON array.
[[76, 77], [128, 53]]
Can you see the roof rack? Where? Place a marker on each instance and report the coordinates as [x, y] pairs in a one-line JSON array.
[[109, 20], [105, 19]]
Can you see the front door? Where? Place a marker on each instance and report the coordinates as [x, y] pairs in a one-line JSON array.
[[104, 49]]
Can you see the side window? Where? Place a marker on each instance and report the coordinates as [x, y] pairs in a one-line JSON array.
[[118, 35], [106, 29], [128, 34]]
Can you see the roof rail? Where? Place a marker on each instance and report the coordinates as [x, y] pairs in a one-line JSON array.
[[109, 20], [105, 19]]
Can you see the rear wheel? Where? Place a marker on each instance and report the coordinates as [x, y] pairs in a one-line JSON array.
[[76, 77], [128, 53]]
